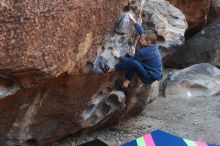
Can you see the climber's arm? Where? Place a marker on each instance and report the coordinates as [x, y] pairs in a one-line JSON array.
[[137, 26]]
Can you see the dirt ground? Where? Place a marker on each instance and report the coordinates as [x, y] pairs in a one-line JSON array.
[[197, 118]]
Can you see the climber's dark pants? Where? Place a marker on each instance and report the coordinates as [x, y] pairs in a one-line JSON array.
[[131, 67]]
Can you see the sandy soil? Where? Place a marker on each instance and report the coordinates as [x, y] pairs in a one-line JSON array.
[[197, 118]]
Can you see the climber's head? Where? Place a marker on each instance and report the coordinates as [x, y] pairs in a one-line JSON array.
[[148, 38]]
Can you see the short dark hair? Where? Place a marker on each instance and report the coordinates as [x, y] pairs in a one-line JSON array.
[[149, 35]]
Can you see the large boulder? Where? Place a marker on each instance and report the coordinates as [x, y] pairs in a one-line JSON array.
[[67, 105], [50, 82], [198, 80], [48, 38], [137, 100], [203, 47], [196, 12], [168, 21]]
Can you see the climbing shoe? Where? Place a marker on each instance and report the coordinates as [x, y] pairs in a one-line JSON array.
[[119, 86], [104, 67]]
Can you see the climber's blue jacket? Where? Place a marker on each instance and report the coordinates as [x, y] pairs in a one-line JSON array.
[[149, 57]]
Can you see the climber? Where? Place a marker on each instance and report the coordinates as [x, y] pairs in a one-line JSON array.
[[146, 62]]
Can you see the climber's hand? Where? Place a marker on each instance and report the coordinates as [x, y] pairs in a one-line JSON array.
[[132, 51], [116, 53], [125, 84], [132, 18]]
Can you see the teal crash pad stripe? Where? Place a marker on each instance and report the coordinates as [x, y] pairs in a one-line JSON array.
[[161, 138]]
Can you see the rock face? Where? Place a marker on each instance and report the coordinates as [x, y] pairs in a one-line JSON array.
[[56, 108], [168, 21], [49, 38], [50, 81], [195, 11], [137, 99], [216, 5], [203, 47], [67, 105], [214, 11], [198, 80]]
